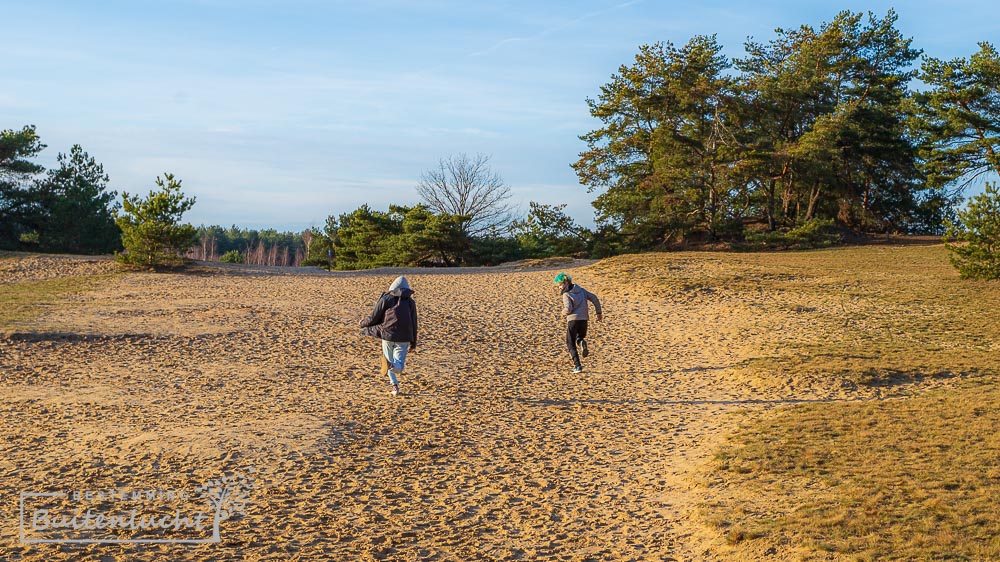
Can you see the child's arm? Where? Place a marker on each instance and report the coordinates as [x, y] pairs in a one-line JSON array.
[[377, 315], [597, 305], [413, 307]]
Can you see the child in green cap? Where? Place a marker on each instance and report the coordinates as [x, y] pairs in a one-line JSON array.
[[575, 309]]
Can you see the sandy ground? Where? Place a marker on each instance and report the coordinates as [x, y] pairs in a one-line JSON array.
[[494, 450]]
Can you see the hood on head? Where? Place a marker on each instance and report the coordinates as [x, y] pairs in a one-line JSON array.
[[400, 284]]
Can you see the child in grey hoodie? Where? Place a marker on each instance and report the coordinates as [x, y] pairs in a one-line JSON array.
[[575, 309]]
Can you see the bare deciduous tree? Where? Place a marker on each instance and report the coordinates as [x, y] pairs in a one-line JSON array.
[[464, 185], [307, 238]]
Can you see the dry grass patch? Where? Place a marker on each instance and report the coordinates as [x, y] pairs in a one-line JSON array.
[[908, 479], [858, 315], [23, 301], [913, 479]]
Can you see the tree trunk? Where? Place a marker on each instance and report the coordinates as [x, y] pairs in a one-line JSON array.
[[770, 205], [813, 199]]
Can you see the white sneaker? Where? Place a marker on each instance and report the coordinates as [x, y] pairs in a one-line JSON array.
[[577, 370], [395, 389]]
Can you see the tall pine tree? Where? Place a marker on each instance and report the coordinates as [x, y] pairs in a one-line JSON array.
[[78, 207]]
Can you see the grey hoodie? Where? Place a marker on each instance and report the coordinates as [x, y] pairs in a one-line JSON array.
[[575, 303], [399, 283]]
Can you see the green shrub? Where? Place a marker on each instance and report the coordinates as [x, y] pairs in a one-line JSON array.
[[816, 233], [232, 256], [978, 227], [29, 238]]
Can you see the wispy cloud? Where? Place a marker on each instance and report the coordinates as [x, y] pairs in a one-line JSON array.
[[553, 29], [8, 101], [499, 44]]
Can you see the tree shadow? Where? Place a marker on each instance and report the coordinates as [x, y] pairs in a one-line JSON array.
[[72, 337], [660, 402]]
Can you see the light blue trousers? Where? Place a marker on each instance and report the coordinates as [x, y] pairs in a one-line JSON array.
[[395, 354]]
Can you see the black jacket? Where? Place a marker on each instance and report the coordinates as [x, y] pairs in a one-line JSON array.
[[394, 318]]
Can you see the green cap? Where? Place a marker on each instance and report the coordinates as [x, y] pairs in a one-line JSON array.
[[562, 277]]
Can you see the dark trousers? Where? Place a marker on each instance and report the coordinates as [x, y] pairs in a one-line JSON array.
[[576, 330]]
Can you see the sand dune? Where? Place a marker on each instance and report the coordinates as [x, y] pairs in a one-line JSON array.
[[494, 450]]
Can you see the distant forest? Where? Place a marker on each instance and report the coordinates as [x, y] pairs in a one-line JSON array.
[[845, 129], [254, 247]]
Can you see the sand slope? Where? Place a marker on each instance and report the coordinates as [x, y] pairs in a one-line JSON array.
[[494, 451]]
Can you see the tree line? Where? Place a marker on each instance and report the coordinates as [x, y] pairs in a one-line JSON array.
[[417, 236], [71, 209], [464, 219], [813, 125]]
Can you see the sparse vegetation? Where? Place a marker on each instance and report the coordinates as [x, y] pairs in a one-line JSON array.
[[911, 479], [862, 315], [23, 301]]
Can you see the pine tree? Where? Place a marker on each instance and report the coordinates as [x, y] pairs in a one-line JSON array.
[[78, 208], [151, 229], [978, 227], [960, 115], [18, 212]]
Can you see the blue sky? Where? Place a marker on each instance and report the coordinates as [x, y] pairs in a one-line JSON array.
[[280, 113]]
